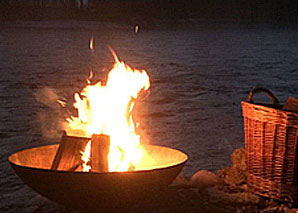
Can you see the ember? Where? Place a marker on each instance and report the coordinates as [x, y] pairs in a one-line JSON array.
[[91, 46]]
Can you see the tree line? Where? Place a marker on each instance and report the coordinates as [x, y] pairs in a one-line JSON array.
[[154, 9]]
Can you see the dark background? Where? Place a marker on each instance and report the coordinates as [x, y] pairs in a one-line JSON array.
[[145, 11]]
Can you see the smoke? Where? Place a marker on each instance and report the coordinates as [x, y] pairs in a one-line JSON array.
[[52, 114], [48, 97]]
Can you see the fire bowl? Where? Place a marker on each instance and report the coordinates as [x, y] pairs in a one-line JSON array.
[[84, 189]]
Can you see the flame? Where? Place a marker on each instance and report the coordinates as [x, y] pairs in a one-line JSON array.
[[86, 157], [90, 77], [107, 109], [61, 102]]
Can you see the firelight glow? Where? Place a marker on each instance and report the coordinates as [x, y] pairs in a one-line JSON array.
[[107, 109]]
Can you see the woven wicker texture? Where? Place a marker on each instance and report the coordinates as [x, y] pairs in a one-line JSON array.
[[271, 149]]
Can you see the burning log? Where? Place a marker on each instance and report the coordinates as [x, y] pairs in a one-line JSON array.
[[68, 156], [71, 149], [100, 145]]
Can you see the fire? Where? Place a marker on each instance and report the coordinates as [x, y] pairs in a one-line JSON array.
[[86, 157], [90, 77], [107, 109], [61, 102]]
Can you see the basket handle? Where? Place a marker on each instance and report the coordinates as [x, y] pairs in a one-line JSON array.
[[261, 89]]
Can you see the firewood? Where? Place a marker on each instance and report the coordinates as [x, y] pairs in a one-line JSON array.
[[100, 145], [68, 156], [291, 105]]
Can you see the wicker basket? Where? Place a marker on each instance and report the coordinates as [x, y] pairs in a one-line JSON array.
[[271, 148]]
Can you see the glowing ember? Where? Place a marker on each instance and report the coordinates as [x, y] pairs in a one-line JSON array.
[[107, 109], [137, 28], [86, 157], [91, 42]]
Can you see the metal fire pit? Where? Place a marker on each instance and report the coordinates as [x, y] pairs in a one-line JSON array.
[[83, 189]]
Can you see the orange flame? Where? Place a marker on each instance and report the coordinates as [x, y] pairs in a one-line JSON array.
[[61, 102], [107, 109], [90, 77]]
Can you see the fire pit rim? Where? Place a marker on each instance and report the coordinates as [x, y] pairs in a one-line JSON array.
[[80, 172]]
